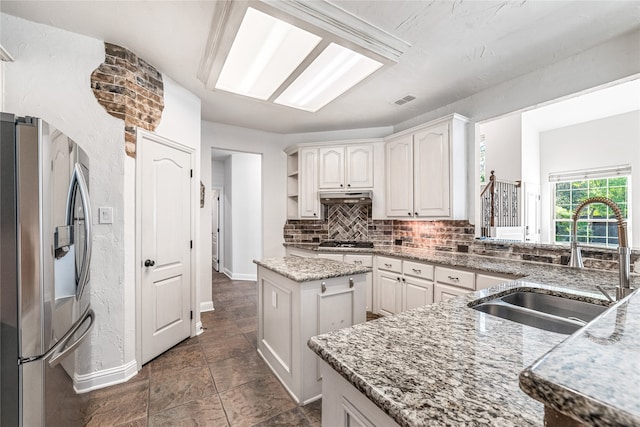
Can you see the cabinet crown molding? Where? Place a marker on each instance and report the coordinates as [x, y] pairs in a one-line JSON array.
[[448, 118], [295, 147]]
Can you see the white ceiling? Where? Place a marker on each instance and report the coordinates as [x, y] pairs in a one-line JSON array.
[[458, 48]]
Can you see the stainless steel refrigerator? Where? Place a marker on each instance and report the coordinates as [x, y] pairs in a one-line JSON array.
[[45, 255]]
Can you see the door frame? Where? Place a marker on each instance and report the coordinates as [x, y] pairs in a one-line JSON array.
[[195, 201], [220, 191]]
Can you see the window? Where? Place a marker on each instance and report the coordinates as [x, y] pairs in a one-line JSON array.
[[597, 223]]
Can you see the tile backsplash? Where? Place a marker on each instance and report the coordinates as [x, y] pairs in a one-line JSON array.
[[354, 222]]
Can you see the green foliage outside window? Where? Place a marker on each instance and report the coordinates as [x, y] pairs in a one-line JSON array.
[[597, 222]]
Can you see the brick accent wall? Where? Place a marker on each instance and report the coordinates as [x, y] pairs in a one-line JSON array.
[[450, 236], [130, 89]]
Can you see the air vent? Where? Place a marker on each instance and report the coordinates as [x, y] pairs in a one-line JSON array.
[[404, 100]]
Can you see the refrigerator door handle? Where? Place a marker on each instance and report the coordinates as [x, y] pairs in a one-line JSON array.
[[78, 179], [60, 350]]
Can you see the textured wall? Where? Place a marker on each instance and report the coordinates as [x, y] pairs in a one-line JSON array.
[[131, 89]]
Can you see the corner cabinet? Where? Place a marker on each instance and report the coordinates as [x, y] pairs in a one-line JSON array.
[[302, 184], [425, 170]]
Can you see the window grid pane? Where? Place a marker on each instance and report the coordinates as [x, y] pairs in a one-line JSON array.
[[597, 223]]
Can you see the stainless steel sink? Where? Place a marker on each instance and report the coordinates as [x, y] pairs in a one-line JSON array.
[[553, 313]]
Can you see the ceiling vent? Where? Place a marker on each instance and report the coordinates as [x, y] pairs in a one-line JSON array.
[[404, 100]]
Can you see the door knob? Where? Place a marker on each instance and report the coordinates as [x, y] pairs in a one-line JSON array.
[[149, 263]]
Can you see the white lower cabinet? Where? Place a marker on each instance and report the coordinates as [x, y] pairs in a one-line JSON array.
[[444, 292], [289, 313], [403, 285], [364, 260], [389, 293], [344, 406], [484, 281]]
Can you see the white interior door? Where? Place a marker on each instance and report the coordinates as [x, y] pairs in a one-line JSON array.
[[215, 229], [166, 245]]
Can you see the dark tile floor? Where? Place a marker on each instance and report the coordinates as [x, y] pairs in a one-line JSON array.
[[215, 379]]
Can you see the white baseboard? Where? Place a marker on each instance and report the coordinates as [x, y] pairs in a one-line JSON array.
[[247, 277], [206, 306], [84, 383]]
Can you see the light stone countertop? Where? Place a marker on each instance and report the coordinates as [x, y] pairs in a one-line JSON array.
[[309, 269], [448, 364]]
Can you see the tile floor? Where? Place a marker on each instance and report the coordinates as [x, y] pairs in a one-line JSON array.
[[215, 379]]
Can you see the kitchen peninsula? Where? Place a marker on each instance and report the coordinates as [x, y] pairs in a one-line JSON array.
[[448, 364], [299, 298]]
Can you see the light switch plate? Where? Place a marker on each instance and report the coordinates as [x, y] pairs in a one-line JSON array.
[[105, 215]]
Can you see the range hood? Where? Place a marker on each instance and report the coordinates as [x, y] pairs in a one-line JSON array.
[[348, 197]]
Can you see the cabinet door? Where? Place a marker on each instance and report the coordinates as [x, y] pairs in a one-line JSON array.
[[431, 169], [444, 292], [308, 177], [484, 281], [390, 292], [366, 261], [331, 168], [417, 293], [359, 168], [399, 173]]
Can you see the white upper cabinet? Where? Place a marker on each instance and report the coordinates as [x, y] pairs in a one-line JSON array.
[[346, 167], [308, 199], [431, 169], [426, 171], [399, 174], [359, 166]]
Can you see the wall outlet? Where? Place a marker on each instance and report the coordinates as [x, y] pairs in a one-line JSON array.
[[105, 215]]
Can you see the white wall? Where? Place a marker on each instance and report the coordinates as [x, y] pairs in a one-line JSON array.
[[228, 220], [245, 231], [50, 78], [610, 141], [610, 61], [503, 148]]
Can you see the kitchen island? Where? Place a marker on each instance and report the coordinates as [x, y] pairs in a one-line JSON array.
[[448, 364], [299, 298]]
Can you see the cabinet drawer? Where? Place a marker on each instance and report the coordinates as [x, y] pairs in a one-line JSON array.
[[390, 264], [362, 260], [416, 269], [463, 279], [335, 257]]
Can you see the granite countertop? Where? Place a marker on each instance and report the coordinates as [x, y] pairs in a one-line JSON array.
[[594, 374], [448, 364], [309, 269]]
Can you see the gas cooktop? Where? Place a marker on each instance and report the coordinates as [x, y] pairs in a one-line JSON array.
[[359, 244]]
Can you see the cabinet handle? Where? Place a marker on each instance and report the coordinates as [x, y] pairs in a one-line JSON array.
[[404, 280], [409, 213], [416, 213], [351, 282], [323, 287], [398, 279], [416, 270], [453, 278], [315, 214], [341, 185], [348, 185], [357, 262], [387, 265]]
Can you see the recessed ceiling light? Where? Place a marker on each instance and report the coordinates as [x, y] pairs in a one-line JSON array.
[[336, 70], [264, 53]]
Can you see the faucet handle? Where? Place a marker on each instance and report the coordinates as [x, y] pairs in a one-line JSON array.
[[605, 293]]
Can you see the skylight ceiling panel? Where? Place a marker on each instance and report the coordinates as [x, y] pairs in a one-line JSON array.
[[263, 55], [336, 70]]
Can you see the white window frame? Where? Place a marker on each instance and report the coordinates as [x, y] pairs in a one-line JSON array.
[[584, 175]]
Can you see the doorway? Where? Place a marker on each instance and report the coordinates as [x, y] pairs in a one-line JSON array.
[[238, 175]]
